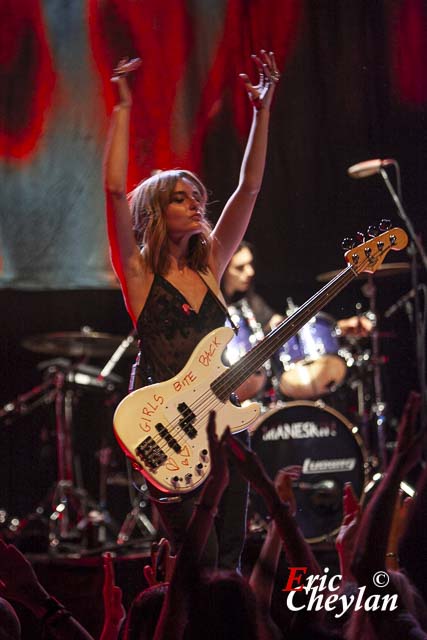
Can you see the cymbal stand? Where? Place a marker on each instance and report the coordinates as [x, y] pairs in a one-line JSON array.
[[139, 503], [379, 407], [26, 403], [68, 501], [418, 254]]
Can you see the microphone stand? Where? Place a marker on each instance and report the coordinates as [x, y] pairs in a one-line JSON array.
[[415, 249]]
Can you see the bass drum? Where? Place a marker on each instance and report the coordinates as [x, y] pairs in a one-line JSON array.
[[330, 451]]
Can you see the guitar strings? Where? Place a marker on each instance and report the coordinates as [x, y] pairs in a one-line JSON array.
[[209, 400]]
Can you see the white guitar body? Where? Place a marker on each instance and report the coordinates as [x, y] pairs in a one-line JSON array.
[[162, 427]]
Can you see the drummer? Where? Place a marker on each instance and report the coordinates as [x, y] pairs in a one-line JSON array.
[[237, 284], [239, 293]]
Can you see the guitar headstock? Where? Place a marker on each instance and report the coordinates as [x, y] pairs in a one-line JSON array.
[[369, 255]]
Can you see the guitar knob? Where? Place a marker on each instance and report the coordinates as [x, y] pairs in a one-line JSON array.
[[348, 243], [188, 477], [373, 231], [199, 468], [360, 238], [175, 481], [204, 455], [385, 224]]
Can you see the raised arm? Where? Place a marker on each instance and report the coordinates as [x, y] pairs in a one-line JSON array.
[[371, 542], [235, 217], [18, 582], [124, 252], [174, 614], [298, 551]]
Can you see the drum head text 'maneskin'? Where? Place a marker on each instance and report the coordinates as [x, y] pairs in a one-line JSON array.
[[330, 452]]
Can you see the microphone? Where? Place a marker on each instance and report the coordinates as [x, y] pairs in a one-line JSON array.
[[368, 167]]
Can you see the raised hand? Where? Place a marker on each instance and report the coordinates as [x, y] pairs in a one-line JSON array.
[[123, 69], [18, 580], [283, 485], [114, 611], [218, 453], [162, 563], [344, 542], [249, 464], [261, 94]]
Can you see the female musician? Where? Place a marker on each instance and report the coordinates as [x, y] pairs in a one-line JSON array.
[[170, 261]]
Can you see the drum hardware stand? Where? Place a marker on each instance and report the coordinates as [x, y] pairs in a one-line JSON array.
[[70, 503], [66, 498], [136, 515], [379, 407], [415, 250]]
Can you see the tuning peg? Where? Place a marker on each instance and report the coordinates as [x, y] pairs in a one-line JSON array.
[[385, 224], [372, 231], [348, 243], [360, 237]]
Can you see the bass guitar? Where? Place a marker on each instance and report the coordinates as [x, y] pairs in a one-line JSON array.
[[162, 427]]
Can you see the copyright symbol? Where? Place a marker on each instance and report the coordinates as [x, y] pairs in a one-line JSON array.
[[381, 579]]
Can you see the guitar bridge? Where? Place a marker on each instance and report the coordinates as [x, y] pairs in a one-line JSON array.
[[150, 453]]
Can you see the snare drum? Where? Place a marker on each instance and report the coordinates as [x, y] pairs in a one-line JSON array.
[[331, 453], [249, 334], [311, 364]]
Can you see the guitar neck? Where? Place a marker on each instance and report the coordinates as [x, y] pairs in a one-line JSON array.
[[228, 381]]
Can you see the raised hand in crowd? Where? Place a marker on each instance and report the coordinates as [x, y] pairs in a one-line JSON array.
[[297, 549], [162, 563], [10, 627], [262, 578], [186, 574], [18, 582], [401, 512], [370, 549], [413, 541], [345, 540], [114, 611]]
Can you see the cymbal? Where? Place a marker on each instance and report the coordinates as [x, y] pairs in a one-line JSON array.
[[384, 270], [78, 344]]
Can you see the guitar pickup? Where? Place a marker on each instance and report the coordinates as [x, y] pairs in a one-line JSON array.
[[187, 419], [185, 411], [188, 428], [167, 437], [150, 453]]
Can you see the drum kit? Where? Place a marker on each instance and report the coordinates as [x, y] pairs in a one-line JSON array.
[[299, 424], [322, 408], [75, 520]]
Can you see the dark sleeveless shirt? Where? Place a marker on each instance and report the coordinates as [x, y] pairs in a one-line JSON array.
[[169, 330]]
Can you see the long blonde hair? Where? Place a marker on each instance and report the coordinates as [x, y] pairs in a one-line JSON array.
[[148, 202]]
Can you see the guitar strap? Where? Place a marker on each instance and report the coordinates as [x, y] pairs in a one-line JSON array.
[[213, 286]]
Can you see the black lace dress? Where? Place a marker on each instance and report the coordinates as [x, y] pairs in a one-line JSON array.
[[168, 331]]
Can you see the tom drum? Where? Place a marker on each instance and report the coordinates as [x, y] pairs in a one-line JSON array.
[[311, 364]]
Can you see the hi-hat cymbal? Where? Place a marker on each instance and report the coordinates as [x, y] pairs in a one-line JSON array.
[[388, 269], [78, 344]]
